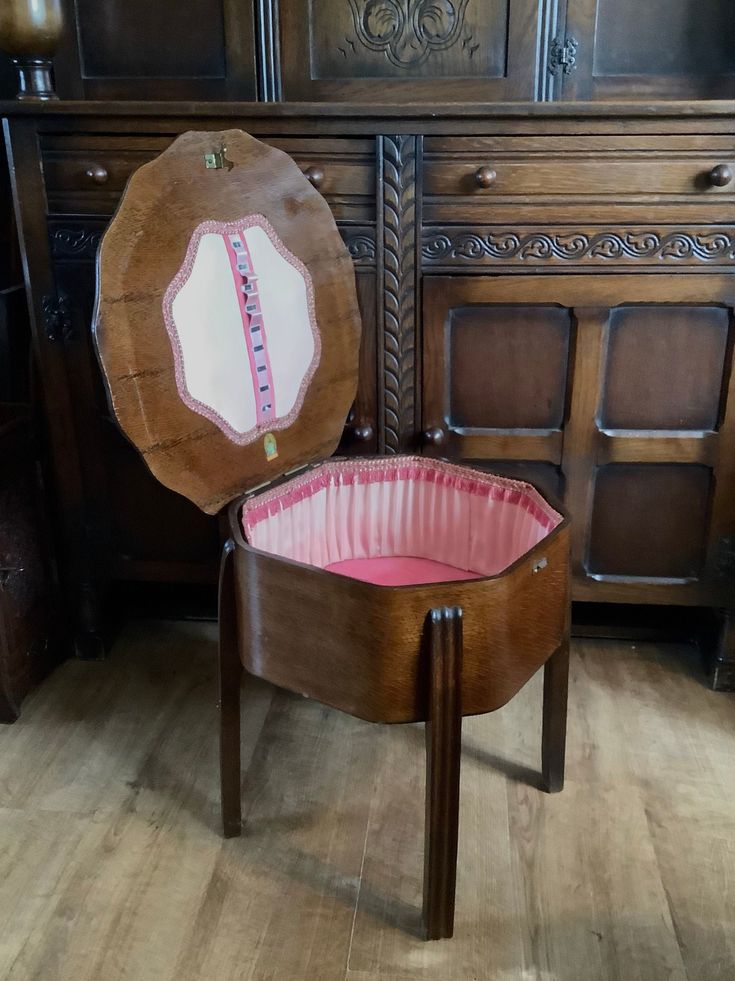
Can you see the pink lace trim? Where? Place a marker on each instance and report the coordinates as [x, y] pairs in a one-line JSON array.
[[382, 469]]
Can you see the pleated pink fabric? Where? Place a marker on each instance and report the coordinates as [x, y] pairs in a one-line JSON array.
[[403, 508]]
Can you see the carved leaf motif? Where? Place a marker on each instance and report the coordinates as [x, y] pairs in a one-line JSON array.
[[382, 21], [399, 288], [435, 20], [407, 32]]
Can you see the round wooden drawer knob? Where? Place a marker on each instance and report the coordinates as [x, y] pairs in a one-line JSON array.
[[98, 174], [434, 436], [362, 434], [315, 176], [720, 176], [485, 176]]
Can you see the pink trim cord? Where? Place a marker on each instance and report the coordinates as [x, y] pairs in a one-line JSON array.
[[253, 325], [407, 508]]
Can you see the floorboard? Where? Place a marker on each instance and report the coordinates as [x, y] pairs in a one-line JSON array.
[[112, 867]]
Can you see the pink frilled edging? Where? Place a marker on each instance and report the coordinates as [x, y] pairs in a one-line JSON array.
[[227, 227], [353, 510]]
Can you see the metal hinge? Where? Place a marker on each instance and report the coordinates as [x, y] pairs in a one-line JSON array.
[[57, 322], [563, 55], [217, 159]]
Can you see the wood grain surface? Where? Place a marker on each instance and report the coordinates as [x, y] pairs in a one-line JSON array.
[[112, 866], [364, 652]]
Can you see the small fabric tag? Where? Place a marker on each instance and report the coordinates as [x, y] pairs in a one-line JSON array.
[[269, 444]]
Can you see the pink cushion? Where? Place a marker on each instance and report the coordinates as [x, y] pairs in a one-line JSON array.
[[428, 517]]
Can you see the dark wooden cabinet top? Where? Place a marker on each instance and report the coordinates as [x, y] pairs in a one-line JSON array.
[[401, 115]]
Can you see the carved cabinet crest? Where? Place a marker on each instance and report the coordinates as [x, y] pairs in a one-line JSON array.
[[408, 30]]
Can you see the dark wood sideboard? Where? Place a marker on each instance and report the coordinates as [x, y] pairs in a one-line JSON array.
[[32, 640], [547, 284], [547, 291]]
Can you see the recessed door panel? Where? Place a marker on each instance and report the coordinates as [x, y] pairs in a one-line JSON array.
[[667, 49], [671, 37], [157, 49], [649, 521], [665, 367], [508, 366]]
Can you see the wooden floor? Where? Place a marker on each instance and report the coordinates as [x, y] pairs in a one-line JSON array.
[[111, 864]]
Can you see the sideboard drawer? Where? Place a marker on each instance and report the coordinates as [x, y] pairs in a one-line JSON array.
[[95, 170], [90, 174], [496, 175], [607, 168]]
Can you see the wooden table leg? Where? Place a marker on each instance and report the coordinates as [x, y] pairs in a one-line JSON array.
[[554, 734], [443, 749], [230, 677]]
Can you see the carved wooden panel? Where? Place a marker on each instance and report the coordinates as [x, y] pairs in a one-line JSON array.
[[75, 238], [123, 49], [670, 49], [410, 49], [478, 247], [399, 220]]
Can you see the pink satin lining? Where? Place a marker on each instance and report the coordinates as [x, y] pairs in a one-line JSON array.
[[412, 510]]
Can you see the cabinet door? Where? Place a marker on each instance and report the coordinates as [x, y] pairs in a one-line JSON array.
[[660, 49], [384, 50], [156, 49], [612, 391]]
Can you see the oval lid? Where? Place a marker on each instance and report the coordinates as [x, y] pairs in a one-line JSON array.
[[226, 318]]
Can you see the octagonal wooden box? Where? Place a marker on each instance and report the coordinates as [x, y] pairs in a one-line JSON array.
[[398, 589]]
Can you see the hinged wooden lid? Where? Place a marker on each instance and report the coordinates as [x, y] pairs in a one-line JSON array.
[[226, 320]]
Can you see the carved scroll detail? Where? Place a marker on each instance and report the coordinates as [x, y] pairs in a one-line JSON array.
[[360, 244], [467, 246], [81, 242], [408, 31], [75, 243], [399, 289]]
